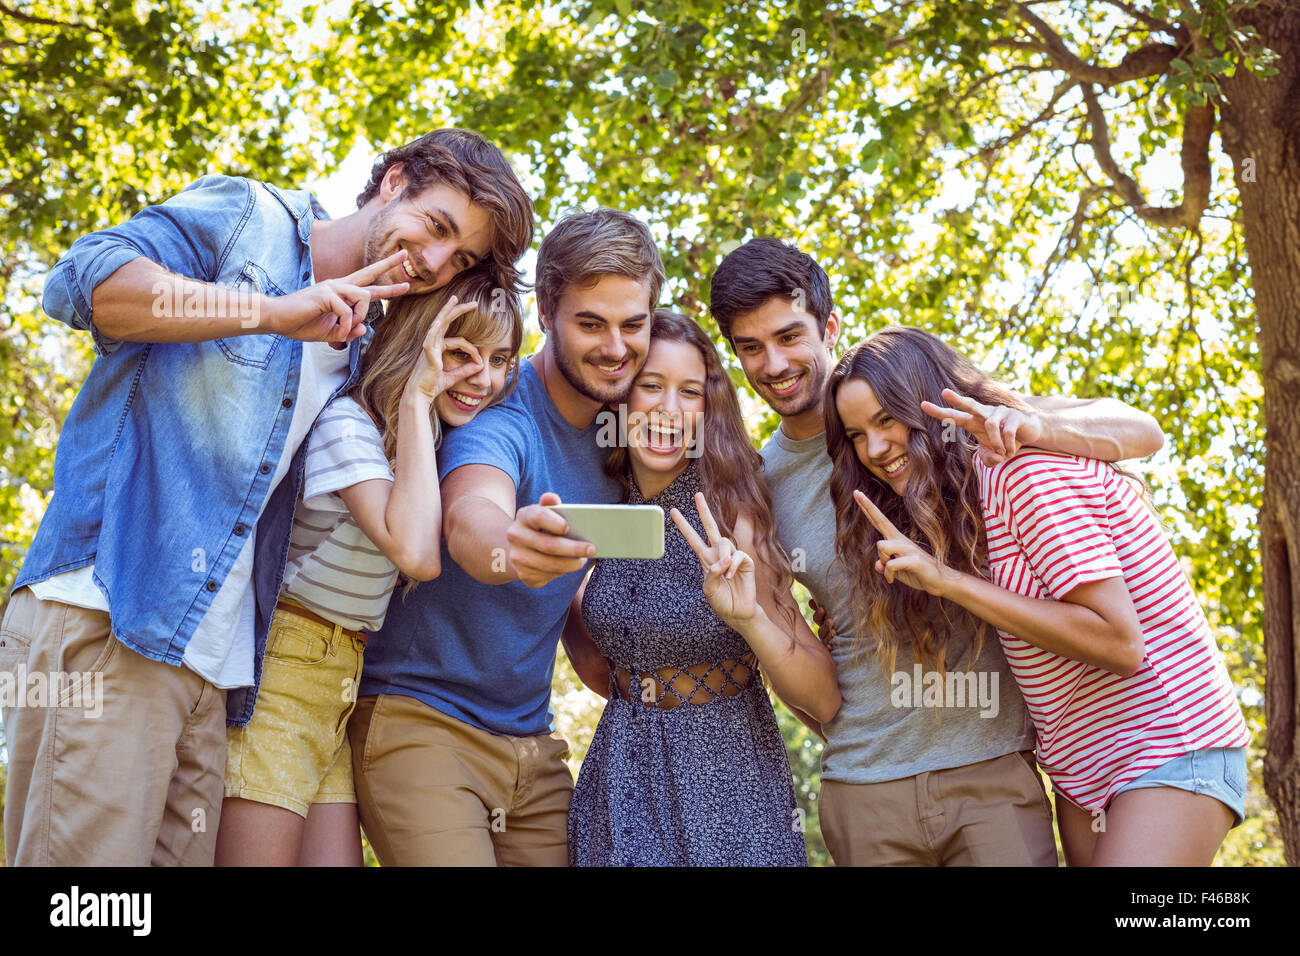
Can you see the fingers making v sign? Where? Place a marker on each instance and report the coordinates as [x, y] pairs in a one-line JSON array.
[[729, 572], [1000, 430]]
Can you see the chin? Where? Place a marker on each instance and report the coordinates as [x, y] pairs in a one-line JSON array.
[[451, 415], [658, 463]]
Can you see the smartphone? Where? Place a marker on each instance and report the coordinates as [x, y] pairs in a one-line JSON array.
[[617, 531]]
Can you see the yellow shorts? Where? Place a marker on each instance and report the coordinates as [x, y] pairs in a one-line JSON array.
[[294, 752]]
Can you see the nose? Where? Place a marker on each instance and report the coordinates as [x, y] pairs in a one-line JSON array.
[[612, 348], [482, 378], [877, 445], [773, 362], [435, 256]]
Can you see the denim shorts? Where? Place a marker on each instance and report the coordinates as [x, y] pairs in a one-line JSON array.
[[1218, 772]]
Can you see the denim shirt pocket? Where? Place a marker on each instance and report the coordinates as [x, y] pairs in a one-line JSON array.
[[257, 348]]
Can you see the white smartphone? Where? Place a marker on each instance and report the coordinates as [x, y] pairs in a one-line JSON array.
[[617, 531]]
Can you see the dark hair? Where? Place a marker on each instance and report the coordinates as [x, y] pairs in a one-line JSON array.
[[940, 509], [584, 246], [731, 471], [464, 160], [764, 269]]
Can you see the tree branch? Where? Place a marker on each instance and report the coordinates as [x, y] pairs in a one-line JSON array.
[[41, 21], [1155, 23], [1152, 59], [1198, 125]]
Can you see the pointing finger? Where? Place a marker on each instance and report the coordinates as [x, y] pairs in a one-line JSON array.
[[876, 516], [368, 274]]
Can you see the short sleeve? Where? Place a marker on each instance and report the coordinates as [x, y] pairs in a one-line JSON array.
[[500, 436], [188, 235], [1055, 506], [345, 448]]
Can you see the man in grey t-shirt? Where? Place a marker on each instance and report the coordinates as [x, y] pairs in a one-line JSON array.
[[920, 767]]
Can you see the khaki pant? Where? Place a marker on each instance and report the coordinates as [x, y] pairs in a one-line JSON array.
[[123, 765], [991, 813], [435, 791]]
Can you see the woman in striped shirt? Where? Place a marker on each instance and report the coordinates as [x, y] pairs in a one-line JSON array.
[[370, 508], [1137, 723]]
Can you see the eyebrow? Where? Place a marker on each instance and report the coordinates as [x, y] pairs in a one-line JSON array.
[[689, 381], [792, 327], [587, 314], [455, 231]]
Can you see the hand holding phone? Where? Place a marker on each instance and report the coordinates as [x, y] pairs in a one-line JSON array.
[[617, 531]]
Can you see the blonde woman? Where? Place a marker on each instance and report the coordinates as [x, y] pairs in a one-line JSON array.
[[370, 509]]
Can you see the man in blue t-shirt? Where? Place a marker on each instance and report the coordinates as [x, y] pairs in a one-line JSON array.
[[455, 758]]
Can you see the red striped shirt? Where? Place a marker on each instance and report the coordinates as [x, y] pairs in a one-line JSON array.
[[1055, 522]]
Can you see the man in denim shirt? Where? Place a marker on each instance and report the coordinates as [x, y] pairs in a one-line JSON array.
[[224, 320]]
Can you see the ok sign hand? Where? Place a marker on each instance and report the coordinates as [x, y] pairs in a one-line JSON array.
[[729, 572], [899, 557], [432, 374]]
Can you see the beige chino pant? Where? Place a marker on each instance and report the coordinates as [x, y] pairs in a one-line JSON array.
[[435, 791], [122, 764], [991, 813]]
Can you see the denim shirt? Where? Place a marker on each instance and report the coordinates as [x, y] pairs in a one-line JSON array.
[[167, 456]]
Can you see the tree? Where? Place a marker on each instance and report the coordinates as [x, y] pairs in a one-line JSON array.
[[108, 107], [980, 169], [986, 170]]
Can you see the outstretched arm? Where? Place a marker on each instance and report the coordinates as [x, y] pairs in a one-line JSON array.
[[1103, 429]]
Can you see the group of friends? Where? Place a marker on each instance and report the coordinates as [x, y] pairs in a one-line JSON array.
[[321, 445]]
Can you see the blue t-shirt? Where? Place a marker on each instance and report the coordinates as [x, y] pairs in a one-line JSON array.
[[485, 653]]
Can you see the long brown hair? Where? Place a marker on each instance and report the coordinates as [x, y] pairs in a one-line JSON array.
[[940, 509], [399, 338], [731, 471]]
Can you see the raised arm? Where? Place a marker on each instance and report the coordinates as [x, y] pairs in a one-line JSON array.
[[403, 518], [739, 589], [143, 302], [151, 279], [494, 543], [1103, 429], [1094, 622]]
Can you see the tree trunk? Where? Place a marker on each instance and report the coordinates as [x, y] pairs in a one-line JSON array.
[[1261, 134]]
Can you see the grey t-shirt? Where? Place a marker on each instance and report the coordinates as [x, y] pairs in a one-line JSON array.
[[916, 720]]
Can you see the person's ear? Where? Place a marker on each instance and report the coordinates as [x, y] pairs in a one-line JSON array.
[[832, 333], [393, 183]]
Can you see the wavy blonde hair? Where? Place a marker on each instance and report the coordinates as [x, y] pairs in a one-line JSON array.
[[399, 339]]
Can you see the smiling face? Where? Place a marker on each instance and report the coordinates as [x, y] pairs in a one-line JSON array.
[[469, 396], [879, 440], [442, 232], [665, 411], [600, 334], [786, 360]]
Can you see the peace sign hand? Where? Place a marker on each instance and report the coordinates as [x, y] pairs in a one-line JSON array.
[[334, 310], [433, 374], [1000, 430], [729, 572], [899, 557]]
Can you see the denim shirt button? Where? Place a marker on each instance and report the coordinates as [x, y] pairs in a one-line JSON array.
[[264, 468], [211, 585], [239, 530], [287, 403]]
